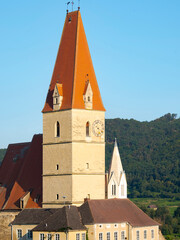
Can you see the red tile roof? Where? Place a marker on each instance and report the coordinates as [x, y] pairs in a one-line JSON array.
[[73, 67], [114, 211], [20, 172]]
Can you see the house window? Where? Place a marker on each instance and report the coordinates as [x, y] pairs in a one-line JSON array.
[[29, 233], [56, 100], [115, 235], [122, 235], [100, 236], [83, 236], [41, 236], [57, 129], [77, 236], [57, 167], [152, 233], [19, 233], [108, 236], [49, 237], [89, 99], [57, 237], [137, 235], [57, 196], [87, 129], [145, 234]]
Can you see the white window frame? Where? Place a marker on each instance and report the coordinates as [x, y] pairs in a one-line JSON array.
[[123, 235], [49, 236], [18, 233], [83, 236], [57, 236], [100, 236], [137, 235], [41, 236], [152, 233], [77, 236], [108, 236], [115, 235], [145, 234]]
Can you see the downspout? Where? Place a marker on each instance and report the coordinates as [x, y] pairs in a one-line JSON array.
[[129, 234], [67, 235], [11, 232]]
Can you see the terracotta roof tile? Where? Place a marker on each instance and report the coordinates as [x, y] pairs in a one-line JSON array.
[[114, 211], [33, 216], [20, 172], [73, 64], [64, 218]]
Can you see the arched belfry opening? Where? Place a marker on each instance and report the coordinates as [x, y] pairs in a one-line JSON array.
[[87, 129]]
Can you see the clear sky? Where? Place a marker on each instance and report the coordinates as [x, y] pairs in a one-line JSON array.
[[135, 48]]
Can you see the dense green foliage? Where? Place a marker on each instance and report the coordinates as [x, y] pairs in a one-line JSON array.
[[170, 224], [150, 153], [2, 153]]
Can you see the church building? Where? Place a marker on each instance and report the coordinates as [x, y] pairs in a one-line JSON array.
[[55, 187]]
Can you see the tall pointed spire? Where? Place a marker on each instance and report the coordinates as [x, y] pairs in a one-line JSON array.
[[117, 184], [116, 164], [73, 65]]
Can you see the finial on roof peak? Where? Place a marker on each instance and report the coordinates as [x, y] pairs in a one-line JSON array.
[[78, 5], [115, 142], [67, 6]]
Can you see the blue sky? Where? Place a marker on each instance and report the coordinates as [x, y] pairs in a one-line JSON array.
[[135, 48]]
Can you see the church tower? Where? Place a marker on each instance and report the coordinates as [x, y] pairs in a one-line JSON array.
[[116, 182], [73, 124]]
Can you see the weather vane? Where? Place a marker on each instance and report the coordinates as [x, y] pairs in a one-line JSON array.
[[72, 5], [67, 6], [78, 4]]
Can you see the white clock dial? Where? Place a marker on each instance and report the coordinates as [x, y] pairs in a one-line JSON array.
[[98, 128]]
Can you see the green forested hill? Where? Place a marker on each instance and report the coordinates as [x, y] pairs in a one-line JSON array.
[[150, 153]]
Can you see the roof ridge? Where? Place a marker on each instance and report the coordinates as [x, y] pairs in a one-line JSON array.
[[72, 101]]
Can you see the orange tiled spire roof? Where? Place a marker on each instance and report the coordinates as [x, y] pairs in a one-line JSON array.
[[73, 67]]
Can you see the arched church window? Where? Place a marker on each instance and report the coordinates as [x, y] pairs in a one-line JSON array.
[[57, 129], [113, 189], [87, 129]]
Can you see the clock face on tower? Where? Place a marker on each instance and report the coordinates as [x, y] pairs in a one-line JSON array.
[[98, 128]]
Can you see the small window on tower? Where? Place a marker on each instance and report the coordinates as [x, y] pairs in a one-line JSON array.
[[57, 129], [87, 129], [89, 99], [56, 100], [87, 165], [57, 167], [57, 196]]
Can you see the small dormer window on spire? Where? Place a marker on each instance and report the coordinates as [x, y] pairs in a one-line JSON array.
[[88, 96], [57, 97]]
